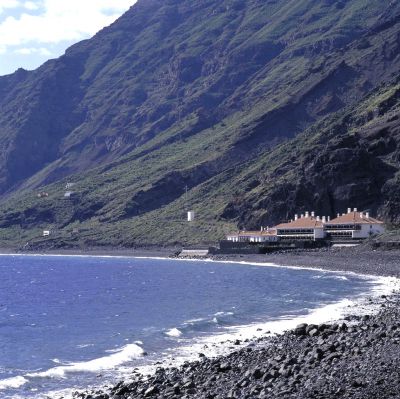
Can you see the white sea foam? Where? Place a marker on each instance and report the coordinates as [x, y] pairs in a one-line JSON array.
[[223, 314], [84, 345], [174, 332], [329, 276], [13, 382], [195, 321], [340, 278], [123, 355]]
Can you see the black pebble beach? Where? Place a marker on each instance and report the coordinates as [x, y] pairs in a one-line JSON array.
[[358, 357]]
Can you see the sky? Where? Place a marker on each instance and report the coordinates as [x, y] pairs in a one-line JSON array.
[[31, 32]]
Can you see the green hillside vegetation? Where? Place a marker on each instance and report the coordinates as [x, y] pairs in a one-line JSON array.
[[291, 176], [259, 108]]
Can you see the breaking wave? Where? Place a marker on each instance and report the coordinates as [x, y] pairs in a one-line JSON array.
[[14, 382], [118, 357], [174, 332], [330, 277]]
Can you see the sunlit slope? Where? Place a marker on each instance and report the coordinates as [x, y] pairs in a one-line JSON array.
[[189, 96]]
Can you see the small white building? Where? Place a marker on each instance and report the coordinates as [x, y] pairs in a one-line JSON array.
[[263, 235], [354, 225], [190, 216], [307, 227], [68, 194], [46, 233]]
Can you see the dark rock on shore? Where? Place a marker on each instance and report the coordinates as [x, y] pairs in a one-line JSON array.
[[358, 360]]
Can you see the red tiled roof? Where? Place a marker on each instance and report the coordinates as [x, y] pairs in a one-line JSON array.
[[309, 222], [354, 218]]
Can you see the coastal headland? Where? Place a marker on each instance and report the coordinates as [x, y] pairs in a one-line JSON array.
[[356, 357]]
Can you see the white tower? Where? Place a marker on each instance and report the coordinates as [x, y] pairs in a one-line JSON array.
[[190, 216]]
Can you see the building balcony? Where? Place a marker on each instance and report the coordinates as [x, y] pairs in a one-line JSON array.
[[341, 227]]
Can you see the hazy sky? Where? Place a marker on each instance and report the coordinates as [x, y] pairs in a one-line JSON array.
[[31, 32]]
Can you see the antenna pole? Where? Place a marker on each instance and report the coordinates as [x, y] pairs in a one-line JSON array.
[[186, 197]]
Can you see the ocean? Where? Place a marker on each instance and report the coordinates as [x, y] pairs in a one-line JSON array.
[[68, 323]]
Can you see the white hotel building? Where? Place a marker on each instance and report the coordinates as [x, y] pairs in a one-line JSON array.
[[352, 225]]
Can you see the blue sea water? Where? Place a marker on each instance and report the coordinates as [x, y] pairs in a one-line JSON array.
[[73, 322]]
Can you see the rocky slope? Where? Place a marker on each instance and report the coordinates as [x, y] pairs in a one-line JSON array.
[[198, 96], [352, 159]]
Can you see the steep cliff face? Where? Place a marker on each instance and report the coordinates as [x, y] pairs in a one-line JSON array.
[[191, 96], [166, 62]]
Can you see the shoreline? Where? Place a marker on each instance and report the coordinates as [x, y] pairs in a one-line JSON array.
[[362, 261], [299, 355], [271, 382], [222, 345]]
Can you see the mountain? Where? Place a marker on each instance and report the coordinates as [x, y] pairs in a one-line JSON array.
[[244, 111]]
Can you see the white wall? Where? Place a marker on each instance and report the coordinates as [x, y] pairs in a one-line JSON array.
[[319, 233], [252, 238], [369, 229], [262, 238]]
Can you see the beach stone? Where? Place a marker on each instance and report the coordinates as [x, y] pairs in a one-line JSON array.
[[285, 392], [153, 390], [177, 389], [233, 394], [323, 327], [357, 383], [332, 356], [314, 332], [244, 383], [257, 373], [254, 390], [311, 327], [301, 329], [291, 361], [189, 384], [318, 354], [274, 374], [223, 367]]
